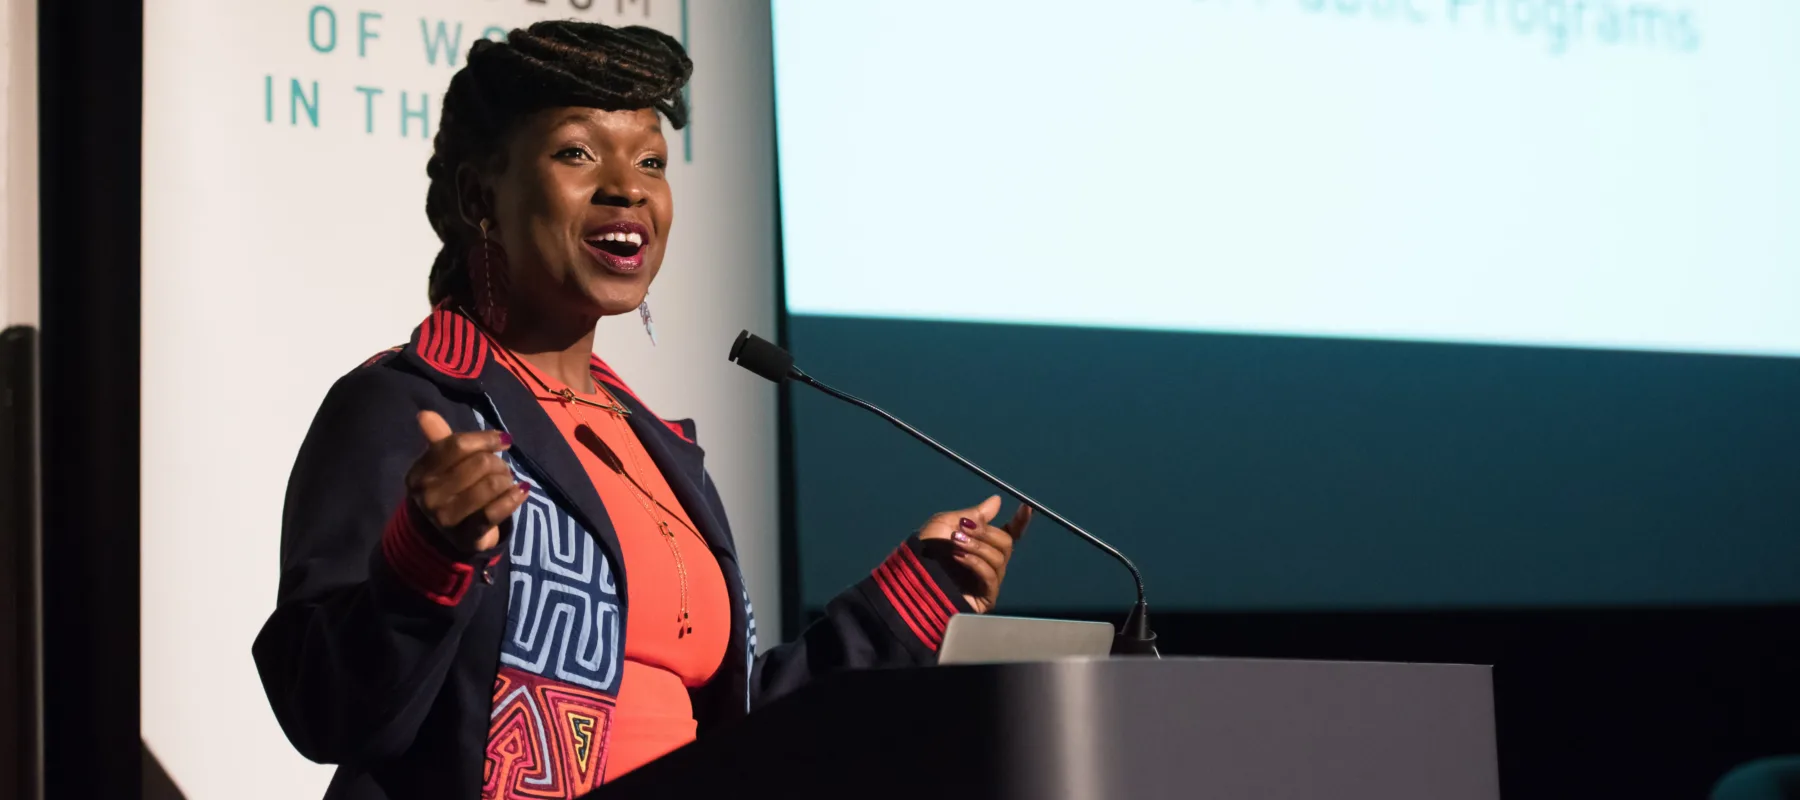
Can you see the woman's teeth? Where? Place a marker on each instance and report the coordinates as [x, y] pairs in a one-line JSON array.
[[622, 244]]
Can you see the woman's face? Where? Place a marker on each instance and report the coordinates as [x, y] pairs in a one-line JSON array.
[[582, 206]]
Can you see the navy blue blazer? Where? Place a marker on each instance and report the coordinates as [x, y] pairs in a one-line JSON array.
[[382, 653]]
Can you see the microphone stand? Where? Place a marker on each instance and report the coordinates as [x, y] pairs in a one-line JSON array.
[[1134, 637]]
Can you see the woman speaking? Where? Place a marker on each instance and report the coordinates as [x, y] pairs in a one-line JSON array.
[[501, 575]]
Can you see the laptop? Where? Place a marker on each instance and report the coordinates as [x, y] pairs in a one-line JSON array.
[[987, 639]]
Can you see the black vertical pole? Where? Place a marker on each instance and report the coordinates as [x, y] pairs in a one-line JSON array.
[[21, 687], [90, 73], [787, 530]]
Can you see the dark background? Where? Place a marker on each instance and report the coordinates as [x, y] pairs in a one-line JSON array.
[[1618, 533], [1269, 473], [90, 63]]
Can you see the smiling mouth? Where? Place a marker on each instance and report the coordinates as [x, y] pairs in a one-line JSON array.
[[619, 247], [618, 243]]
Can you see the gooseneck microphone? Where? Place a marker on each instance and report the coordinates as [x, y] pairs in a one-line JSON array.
[[764, 358]]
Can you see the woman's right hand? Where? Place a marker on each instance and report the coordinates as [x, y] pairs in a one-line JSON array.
[[462, 486]]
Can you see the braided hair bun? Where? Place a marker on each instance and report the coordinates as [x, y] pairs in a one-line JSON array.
[[548, 65]]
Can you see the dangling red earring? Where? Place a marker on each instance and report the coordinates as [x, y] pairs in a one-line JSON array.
[[489, 280]]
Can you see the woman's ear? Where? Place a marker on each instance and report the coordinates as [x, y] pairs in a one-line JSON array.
[[474, 201]]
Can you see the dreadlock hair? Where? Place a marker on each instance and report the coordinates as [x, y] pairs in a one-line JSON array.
[[548, 65]]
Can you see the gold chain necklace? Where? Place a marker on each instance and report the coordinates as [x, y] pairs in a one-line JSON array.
[[639, 493]]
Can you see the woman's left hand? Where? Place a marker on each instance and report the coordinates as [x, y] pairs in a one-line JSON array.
[[974, 552]]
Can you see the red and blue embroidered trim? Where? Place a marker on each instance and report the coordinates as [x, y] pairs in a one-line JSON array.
[[915, 596], [420, 565], [452, 344]]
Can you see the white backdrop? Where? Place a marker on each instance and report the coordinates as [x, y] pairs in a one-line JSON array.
[[285, 241], [1534, 172]]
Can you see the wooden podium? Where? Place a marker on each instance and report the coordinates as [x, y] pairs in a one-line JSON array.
[[1105, 728]]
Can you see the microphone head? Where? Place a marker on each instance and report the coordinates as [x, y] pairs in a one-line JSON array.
[[762, 357]]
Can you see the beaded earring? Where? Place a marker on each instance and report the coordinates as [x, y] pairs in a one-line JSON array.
[[644, 314], [489, 280]]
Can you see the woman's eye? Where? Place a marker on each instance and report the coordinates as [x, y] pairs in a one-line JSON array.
[[653, 162], [572, 152]]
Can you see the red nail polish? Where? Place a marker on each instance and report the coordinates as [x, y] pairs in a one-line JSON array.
[[526, 487], [505, 439], [968, 523]]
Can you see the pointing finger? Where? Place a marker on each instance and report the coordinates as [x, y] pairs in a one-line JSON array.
[[946, 524], [433, 426], [446, 453], [1021, 518], [988, 509]]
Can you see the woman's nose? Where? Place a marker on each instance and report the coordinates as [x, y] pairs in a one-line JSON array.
[[620, 187]]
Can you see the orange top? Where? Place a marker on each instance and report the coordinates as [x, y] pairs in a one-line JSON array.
[[662, 659]]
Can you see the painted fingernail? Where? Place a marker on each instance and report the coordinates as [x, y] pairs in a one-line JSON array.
[[525, 487], [505, 439], [960, 537], [968, 524]]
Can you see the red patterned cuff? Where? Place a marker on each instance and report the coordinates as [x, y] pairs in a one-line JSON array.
[[419, 563], [915, 595]]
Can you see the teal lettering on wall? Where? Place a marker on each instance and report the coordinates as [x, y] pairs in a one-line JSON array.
[[363, 34], [422, 114], [312, 28], [441, 40], [298, 98], [369, 94]]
